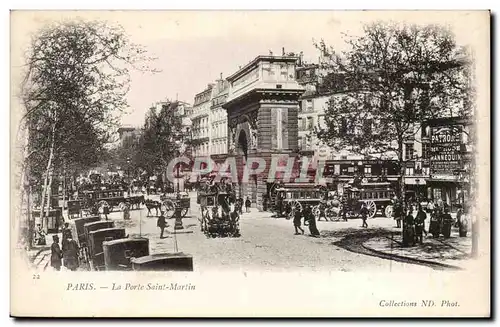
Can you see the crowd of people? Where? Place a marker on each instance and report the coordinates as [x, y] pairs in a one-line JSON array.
[[67, 254], [305, 213], [440, 222]]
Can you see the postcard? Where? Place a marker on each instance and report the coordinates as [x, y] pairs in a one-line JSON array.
[[250, 164]]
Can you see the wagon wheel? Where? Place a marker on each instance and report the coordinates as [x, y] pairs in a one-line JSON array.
[[372, 209], [168, 208], [184, 212], [294, 204], [389, 211]]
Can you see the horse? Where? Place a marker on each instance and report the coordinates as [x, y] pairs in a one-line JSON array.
[[151, 204]]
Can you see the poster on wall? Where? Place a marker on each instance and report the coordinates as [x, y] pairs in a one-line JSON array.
[[446, 155]]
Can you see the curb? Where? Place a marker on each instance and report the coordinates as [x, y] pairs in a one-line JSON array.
[[38, 253], [422, 261]]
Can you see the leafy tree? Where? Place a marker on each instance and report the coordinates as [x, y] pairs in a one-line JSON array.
[[391, 79], [77, 75], [161, 139]]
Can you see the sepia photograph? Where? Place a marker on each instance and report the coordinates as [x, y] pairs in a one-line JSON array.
[[321, 160]]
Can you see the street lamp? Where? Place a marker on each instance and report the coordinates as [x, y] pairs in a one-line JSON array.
[[178, 210]]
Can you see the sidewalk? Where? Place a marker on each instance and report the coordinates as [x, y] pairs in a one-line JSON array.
[[453, 251]]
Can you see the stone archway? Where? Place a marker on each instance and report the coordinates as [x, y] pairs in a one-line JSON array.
[[243, 144]]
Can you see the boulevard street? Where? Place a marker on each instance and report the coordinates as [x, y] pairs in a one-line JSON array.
[[266, 243]]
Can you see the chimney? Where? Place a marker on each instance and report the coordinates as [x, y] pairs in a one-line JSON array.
[[221, 77], [283, 51]]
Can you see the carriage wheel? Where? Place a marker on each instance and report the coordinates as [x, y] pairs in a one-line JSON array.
[[372, 209], [168, 207], [294, 204], [389, 211], [184, 212]]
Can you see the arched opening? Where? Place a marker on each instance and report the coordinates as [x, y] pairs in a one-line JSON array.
[[243, 143]]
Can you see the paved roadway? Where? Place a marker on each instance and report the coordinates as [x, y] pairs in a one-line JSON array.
[[265, 244]]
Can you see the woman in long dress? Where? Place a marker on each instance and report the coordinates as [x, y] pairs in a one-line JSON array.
[[55, 253]]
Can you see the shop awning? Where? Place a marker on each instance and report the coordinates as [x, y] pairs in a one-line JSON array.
[[413, 181]]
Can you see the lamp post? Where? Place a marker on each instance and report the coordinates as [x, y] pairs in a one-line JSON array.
[[417, 181], [178, 210]]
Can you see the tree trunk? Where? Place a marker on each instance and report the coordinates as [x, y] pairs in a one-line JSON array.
[[49, 188], [401, 181], [25, 190], [46, 180]]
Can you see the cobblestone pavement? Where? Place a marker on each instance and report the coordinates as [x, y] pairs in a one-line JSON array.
[[265, 244], [268, 243]]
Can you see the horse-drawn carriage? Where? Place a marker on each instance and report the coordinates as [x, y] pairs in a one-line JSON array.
[[376, 196], [295, 196], [219, 216], [171, 201], [104, 201]]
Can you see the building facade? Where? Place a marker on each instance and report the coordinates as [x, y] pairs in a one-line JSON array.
[[201, 127], [218, 118]]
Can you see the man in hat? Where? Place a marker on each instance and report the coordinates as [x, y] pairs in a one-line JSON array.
[[364, 214], [161, 223]]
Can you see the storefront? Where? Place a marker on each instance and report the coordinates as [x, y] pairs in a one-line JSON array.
[[449, 161]]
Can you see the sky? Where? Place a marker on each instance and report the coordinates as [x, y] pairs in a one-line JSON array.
[[194, 47]]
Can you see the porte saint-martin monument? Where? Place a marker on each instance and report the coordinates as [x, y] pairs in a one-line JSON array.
[[262, 109]]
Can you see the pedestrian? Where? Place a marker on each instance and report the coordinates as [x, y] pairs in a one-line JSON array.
[[40, 235], [398, 213], [126, 211], [446, 222], [322, 211], [240, 205], [462, 222], [364, 214], [105, 210], [297, 217], [311, 221], [161, 223], [70, 254], [343, 208], [55, 253], [409, 228], [420, 224], [66, 233], [248, 203]]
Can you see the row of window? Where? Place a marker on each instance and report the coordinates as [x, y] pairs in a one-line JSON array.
[[219, 130], [219, 147], [410, 152]]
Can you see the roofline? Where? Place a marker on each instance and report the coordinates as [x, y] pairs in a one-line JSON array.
[[246, 68], [260, 90]]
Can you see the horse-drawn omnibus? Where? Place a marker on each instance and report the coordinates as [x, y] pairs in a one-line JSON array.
[[377, 197], [110, 198], [296, 195]]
